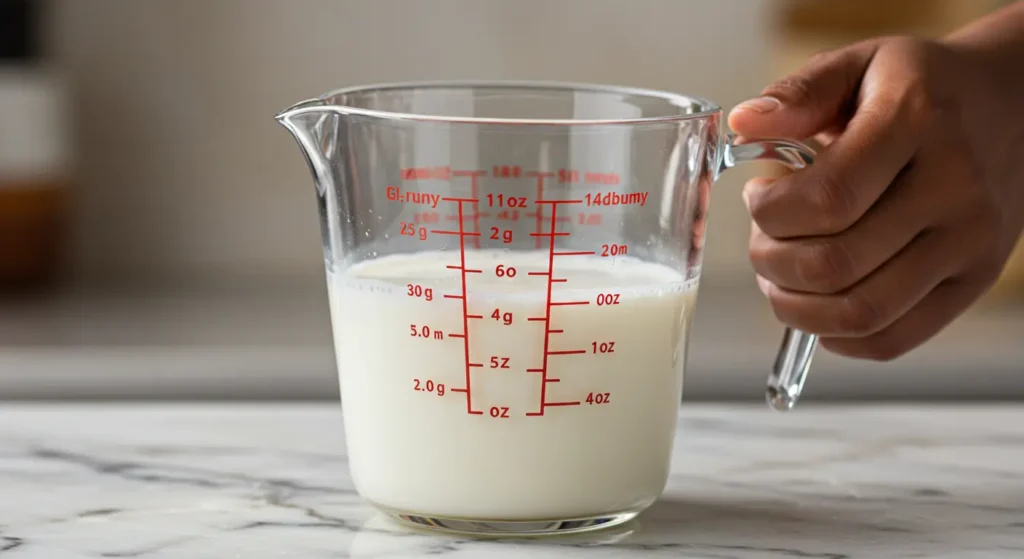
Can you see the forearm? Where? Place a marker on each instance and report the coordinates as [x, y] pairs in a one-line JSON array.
[[998, 39]]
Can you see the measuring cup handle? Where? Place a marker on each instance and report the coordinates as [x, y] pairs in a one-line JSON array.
[[794, 359]]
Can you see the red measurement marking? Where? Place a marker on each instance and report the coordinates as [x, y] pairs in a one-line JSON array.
[[607, 299], [601, 178], [410, 230], [569, 303], [540, 196], [576, 253], [547, 317], [567, 352], [555, 331], [474, 190], [560, 220], [550, 234], [615, 199], [509, 215], [559, 280], [598, 398], [498, 362], [465, 270], [613, 250], [454, 297], [507, 171], [458, 389], [503, 235], [396, 194], [426, 217], [470, 200], [424, 173], [538, 318], [474, 316], [459, 233], [418, 291], [559, 201], [471, 216], [538, 273], [503, 201], [456, 335], [561, 404], [503, 317], [465, 311], [534, 370], [475, 365], [552, 380]]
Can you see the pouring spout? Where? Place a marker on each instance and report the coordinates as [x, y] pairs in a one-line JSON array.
[[303, 108], [309, 122]]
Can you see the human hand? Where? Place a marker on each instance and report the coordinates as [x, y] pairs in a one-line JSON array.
[[912, 208]]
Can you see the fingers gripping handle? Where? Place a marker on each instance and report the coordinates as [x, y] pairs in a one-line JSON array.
[[794, 359]]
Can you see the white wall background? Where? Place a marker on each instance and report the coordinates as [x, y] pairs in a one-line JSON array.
[[186, 179]]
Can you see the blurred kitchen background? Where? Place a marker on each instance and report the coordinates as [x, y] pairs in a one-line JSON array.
[[158, 235]]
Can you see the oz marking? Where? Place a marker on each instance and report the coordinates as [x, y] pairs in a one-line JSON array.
[[605, 299], [499, 362], [598, 398], [502, 201]]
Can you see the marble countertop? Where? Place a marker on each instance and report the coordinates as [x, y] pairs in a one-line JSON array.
[[260, 481]]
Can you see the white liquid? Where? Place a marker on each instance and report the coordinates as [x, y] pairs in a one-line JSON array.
[[417, 451]]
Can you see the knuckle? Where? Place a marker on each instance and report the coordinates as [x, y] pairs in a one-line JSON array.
[[796, 88], [764, 210], [860, 314], [831, 203], [920, 103], [825, 266], [760, 251]]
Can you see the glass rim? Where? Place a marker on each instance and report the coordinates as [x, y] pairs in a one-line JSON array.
[[706, 107]]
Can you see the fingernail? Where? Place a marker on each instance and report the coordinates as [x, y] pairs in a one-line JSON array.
[[764, 285], [762, 105]]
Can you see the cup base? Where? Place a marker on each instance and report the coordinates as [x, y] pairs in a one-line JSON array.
[[509, 528]]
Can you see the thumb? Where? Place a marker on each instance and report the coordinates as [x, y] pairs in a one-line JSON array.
[[818, 97]]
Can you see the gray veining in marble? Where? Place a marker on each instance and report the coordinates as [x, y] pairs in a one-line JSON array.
[[265, 481]]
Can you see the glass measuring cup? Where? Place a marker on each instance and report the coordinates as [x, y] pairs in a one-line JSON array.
[[512, 269]]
